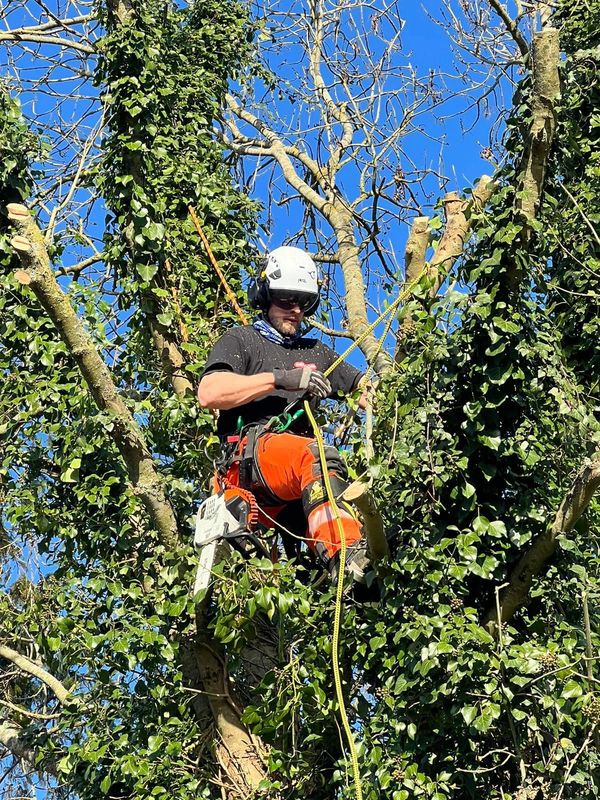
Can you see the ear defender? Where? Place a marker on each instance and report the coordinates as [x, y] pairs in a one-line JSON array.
[[258, 291]]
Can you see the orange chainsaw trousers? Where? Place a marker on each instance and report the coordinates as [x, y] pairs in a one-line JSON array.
[[290, 469]]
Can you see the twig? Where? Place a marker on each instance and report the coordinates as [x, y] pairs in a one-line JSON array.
[[588, 636], [571, 766], [32, 714], [511, 27]]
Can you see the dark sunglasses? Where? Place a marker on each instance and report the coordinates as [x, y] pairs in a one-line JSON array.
[[289, 300]]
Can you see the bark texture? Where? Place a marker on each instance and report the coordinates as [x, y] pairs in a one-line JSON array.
[[545, 60], [533, 561], [147, 484], [546, 91], [350, 261], [458, 218], [13, 739], [171, 358], [238, 752]]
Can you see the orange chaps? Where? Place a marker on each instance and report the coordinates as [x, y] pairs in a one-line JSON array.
[[290, 469]]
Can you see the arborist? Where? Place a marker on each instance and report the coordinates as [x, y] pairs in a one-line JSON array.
[[253, 374]]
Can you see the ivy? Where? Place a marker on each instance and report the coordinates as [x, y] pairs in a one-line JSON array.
[[479, 433]]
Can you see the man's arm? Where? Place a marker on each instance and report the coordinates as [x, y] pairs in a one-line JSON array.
[[224, 390]]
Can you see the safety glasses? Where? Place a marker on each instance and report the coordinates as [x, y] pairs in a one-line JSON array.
[[289, 300]]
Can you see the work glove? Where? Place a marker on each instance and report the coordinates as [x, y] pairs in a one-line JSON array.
[[303, 378]]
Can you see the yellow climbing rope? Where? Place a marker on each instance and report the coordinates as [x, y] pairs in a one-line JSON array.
[[215, 263], [337, 619]]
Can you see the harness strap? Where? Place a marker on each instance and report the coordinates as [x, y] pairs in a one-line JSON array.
[[251, 477]]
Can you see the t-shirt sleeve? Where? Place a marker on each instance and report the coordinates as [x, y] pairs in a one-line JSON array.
[[228, 355], [344, 378]]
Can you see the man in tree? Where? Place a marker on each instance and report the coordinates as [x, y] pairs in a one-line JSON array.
[[252, 374]]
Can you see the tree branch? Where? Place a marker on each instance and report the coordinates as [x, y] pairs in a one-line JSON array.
[[458, 213], [458, 223], [332, 110], [330, 331], [147, 483], [416, 249], [55, 23], [532, 562], [35, 670], [13, 738], [13, 36], [414, 266], [277, 149], [24, 712], [511, 27], [77, 269]]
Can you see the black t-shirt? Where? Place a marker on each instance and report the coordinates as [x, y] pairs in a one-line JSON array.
[[245, 351]]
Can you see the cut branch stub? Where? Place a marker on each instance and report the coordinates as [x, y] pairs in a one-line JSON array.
[[414, 266], [20, 244], [546, 92], [459, 215]]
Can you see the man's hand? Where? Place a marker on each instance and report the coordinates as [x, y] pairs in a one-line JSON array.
[[302, 378]]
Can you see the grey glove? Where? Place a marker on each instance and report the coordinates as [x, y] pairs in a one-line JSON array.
[[302, 378]]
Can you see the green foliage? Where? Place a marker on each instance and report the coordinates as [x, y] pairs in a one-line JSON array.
[[480, 431], [107, 610], [572, 218]]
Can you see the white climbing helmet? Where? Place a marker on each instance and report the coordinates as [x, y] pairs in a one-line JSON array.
[[289, 273]]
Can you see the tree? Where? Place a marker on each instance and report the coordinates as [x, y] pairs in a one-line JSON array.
[[475, 674]]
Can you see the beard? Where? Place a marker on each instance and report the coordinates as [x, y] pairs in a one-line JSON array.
[[285, 327]]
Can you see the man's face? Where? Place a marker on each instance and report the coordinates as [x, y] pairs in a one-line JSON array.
[[285, 320]]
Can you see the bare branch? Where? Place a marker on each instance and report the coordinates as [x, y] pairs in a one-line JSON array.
[[24, 712], [330, 331], [12, 36], [512, 26], [277, 149], [77, 269], [333, 110], [77, 177], [53, 24]]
